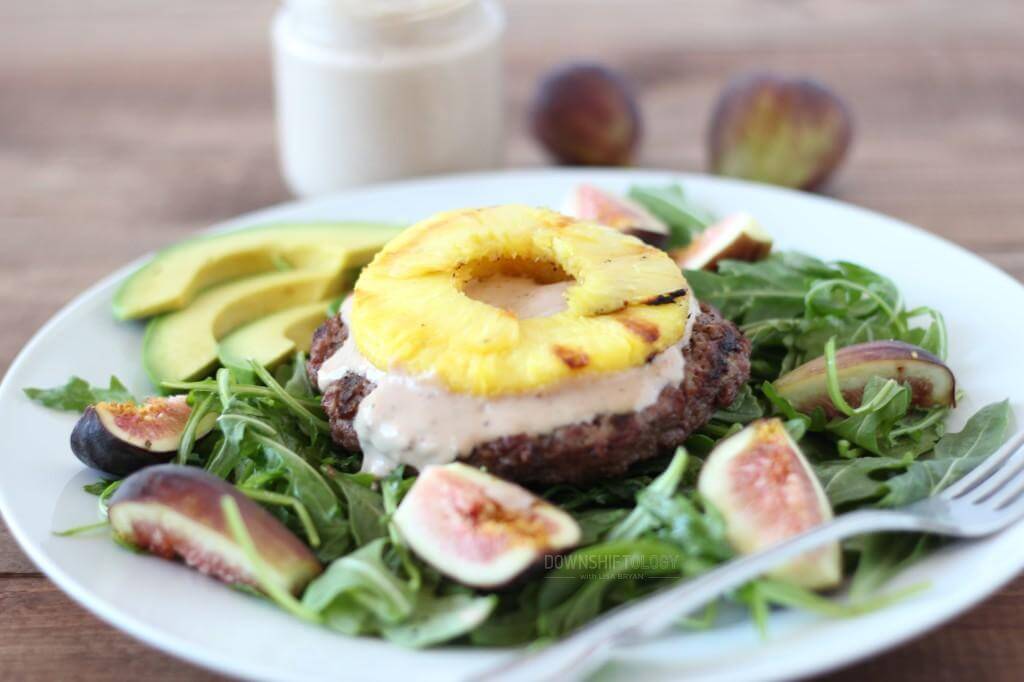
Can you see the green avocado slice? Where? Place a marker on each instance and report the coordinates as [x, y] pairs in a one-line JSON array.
[[182, 345], [273, 338], [176, 276]]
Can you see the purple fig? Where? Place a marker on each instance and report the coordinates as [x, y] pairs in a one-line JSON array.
[[479, 529], [587, 202], [736, 237], [586, 115], [176, 511], [789, 132], [121, 438], [767, 492], [931, 382]]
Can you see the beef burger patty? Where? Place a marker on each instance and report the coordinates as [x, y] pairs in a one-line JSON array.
[[717, 366]]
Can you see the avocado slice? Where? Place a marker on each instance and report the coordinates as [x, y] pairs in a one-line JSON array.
[[175, 276], [183, 345], [273, 338]]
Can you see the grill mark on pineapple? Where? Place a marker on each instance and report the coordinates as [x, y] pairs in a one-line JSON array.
[[558, 221], [572, 357], [648, 331], [668, 297]]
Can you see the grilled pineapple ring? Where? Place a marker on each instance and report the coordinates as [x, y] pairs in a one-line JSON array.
[[409, 312]]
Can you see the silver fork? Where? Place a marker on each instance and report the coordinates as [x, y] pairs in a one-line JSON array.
[[985, 501]]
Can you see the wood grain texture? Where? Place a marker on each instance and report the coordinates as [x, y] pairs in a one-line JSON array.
[[126, 125]]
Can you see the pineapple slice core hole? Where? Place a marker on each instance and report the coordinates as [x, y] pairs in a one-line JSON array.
[[526, 289]]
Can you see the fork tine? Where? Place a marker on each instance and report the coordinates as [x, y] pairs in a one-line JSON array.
[[985, 470], [1014, 497], [1007, 475]]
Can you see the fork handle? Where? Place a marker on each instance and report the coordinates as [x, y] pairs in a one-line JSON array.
[[589, 648]]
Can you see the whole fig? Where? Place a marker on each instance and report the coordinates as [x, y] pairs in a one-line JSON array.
[[586, 115], [789, 132]]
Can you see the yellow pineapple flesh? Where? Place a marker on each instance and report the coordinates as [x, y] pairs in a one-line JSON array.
[[627, 301]]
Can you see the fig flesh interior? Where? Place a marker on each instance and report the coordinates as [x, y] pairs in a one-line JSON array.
[[478, 529], [587, 202], [765, 489], [931, 382], [157, 425], [121, 438], [736, 237]]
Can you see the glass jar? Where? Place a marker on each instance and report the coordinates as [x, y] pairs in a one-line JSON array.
[[370, 90]]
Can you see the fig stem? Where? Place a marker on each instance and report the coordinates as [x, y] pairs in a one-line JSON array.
[[288, 399], [282, 500], [240, 534], [210, 386], [188, 437]]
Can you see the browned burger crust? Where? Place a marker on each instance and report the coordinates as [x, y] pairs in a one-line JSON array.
[[717, 366]]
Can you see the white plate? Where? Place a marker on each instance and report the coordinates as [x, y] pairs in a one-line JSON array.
[[193, 617]]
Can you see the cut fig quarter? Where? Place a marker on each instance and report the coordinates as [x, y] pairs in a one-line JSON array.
[[767, 492], [175, 511], [586, 202], [121, 438], [478, 529], [736, 237], [931, 382]]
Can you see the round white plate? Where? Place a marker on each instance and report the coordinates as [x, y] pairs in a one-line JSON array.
[[188, 615]]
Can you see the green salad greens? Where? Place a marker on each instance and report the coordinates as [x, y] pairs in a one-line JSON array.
[[273, 443]]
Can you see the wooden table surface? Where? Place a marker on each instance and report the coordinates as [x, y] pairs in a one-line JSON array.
[[126, 125]]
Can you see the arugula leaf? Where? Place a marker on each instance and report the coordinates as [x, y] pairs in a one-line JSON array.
[[360, 580], [898, 481], [77, 394], [640, 520], [744, 409], [870, 429], [578, 590], [440, 619], [954, 456], [98, 487], [882, 556], [365, 507], [684, 218], [789, 305], [595, 523]]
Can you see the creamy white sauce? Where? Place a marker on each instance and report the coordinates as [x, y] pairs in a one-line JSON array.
[[417, 421]]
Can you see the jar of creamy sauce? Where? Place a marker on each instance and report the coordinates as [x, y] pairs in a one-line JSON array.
[[371, 90]]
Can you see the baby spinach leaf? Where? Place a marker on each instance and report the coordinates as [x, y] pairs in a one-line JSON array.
[[77, 394]]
